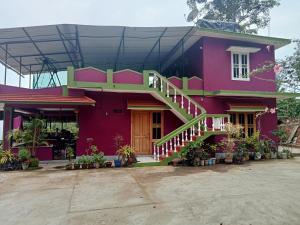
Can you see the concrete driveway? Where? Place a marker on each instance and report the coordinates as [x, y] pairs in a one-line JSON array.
[[254, 193]]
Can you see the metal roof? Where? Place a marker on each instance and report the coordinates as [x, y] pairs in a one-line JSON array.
[[116, 47]]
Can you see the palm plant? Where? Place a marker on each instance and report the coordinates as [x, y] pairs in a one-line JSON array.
[[31, 136]]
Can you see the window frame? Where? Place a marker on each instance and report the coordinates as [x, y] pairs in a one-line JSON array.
[[246, 124], [240, 78]]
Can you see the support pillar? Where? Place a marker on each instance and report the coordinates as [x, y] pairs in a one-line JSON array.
[[7, 126]]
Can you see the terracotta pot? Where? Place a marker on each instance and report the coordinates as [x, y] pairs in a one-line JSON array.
[[268, 155]]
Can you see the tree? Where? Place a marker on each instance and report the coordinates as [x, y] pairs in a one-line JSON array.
[[251, 15], [288, 80]]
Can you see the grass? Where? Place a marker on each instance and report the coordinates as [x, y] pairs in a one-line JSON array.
[[147, 164]]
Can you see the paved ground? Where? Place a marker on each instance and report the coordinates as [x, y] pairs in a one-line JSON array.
[[255, 193]]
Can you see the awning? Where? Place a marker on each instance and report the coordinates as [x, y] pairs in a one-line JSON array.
[[246, 108], [45, 99], [26, 49], [146, 105]]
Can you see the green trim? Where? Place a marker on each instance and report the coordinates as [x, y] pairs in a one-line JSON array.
[[277, 42], [46, 103], [244, 109], [185, 84], [109, 75], [278, 95], [65, 90], [147, 164], [146, 79], [70, 74], [148, 108]]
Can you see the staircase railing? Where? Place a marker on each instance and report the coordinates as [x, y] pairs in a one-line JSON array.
[[170, 90], [196, 127]]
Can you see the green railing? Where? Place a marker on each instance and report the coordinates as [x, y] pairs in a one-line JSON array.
[[196, 127]]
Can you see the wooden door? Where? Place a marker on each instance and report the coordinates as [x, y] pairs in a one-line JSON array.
[[141, 132]]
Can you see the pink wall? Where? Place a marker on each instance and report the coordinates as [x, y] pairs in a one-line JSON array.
[[90, 75], [176, 81], [128, 77], [195, 83], [5, 89], [102, 122], [219, 105], [217, 66]]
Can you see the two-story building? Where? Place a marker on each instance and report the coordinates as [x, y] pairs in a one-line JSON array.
[[157, 87]]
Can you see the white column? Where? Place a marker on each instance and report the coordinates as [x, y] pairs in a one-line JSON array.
[[189, 106], [157, 153], [186, 136], [171, 145], [175, 143], [154, 151], [191, 134], [154, 80], [161, 85], [205, 125], [199, 128], [167, 150], [182, 101], [174, 95], [178, 141], [182, 139], [196, 109], [162, 150]]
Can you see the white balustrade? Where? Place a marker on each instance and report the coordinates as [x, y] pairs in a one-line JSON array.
[[189, 107], [199, 128], [205, 124], [167, 150], [196, 111], [168, 90], [162, 150], [161, 85]]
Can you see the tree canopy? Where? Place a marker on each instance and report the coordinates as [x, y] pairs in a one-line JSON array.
[[251, 15]]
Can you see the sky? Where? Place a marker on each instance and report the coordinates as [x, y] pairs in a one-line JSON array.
[[18, 13]]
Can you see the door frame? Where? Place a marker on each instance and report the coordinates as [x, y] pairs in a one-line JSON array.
[[151, 141]]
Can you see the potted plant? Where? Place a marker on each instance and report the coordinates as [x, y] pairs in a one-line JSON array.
[[7, 160], [24, 156], [257, 155], [233, 132], [77, 164], [98, 159], [70, 156], [205, 157], [126, 154], [34, 162]]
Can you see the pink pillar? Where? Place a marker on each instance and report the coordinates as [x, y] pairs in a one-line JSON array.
[[7, 125]]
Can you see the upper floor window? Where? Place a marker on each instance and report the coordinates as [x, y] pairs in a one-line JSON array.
[[240, 66], [240, 61]]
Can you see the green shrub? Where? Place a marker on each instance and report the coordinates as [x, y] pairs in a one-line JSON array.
[[34, 162], [24, 154]]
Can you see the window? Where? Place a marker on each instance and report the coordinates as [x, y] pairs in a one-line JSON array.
[[240, 66], [247, 120], [156, 125]]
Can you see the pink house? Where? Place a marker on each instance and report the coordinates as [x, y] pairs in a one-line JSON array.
[[157, 87]]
